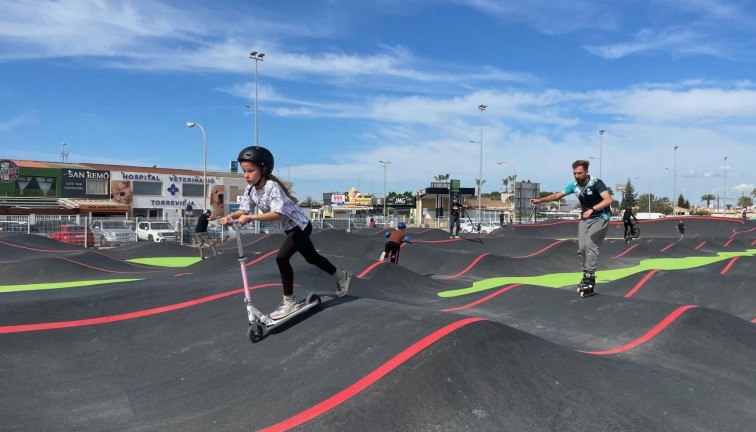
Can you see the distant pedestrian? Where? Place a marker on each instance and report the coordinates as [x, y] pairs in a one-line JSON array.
[[454, 216], [681, 229], [501, 218], [372, 223], [203, 237]]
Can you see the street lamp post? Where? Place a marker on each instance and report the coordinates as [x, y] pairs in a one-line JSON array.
[[480, 179], [385, 204], [674, 186], [257, 57], [601, 151], [64, 154], [204, 168], [288, 173], [724, 188]]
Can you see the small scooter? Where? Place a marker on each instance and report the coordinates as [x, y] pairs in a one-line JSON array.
[[259, 324]]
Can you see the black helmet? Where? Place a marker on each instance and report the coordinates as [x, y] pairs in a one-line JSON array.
[[259, 155]]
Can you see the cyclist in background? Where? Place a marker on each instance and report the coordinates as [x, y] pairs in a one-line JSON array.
[[627, 218]]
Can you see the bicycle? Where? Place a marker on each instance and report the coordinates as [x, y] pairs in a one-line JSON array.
[[634, 233]]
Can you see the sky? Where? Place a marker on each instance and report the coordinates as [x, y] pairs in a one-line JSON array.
[[346, 84]]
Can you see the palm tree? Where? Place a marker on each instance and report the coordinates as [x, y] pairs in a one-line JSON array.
[[442, 177], [708, 198], [308, 202]]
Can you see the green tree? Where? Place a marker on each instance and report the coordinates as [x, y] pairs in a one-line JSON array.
[[629, 197], [681, 202], [479, 185], [709, 198], [309, 202], [442, 177], [745, 201]]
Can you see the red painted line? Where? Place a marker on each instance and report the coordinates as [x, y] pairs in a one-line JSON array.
[[40, 250], [542, 250], [368, 379], [753, 320], [701, 245], [649, 335], [727, 243], [626, 251], [729, 264], [475, 261], [665, 249], [181, 274], [262, 257], [369, 269], [574, 221], [110, 271], [753, 242], [122, 317], [641, 283], [484, 299]]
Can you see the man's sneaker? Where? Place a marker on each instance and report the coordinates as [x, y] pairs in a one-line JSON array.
[[343, 285], [217, 253], [284, 309]]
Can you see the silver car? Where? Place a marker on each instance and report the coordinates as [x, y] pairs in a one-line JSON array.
[[111, 232]]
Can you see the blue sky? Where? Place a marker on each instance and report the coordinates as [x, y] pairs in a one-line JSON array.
[[345, 84]]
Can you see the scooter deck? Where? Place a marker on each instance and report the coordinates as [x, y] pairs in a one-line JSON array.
[[259, 329]]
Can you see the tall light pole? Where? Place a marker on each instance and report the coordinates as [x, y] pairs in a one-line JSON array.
[[385, 204], [204, 168], [257, 57], [601, 151], [724, 189], [674, 186], [64, 154], [480, 179], [288, 173]]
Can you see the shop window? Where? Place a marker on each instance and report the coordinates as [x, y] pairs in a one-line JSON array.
[[97, 186], [148, 188], [192, 190]]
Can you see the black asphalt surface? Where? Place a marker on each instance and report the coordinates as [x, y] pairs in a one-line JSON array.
[[662, 349]]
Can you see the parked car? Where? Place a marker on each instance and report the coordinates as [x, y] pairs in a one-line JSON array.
[[73, 234], [111, 232], [472, 227], [21, 227], [156, 231]]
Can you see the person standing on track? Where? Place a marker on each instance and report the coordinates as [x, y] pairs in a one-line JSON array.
[[203, 237], [267, 193], [454, 215], [595, 201]]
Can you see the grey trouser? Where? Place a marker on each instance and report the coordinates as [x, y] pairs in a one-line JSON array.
[[591, 233]]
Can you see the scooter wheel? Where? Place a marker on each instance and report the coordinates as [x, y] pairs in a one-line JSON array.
[[255, 332]]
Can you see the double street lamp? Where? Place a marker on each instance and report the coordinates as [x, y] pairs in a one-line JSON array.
[[204, 169], [257, 57], [385, 203]]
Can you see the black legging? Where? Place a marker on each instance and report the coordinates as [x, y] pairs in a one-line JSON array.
[[299, 241], [628, 228]]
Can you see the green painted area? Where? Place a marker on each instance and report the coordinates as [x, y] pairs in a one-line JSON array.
[[557, 280], [174, 262], [169, 262], [57, 285]]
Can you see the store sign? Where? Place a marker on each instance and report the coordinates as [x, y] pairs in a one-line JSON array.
[[399, 201], [8, 171], [75, 182]]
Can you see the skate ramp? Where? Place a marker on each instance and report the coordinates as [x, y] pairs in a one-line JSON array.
[[461, 334]]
